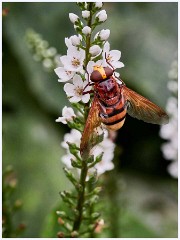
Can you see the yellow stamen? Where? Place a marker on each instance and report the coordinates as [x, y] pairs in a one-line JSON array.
[[75, 62]]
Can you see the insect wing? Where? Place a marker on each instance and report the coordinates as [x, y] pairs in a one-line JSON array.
[[92, 122], [143, 109]]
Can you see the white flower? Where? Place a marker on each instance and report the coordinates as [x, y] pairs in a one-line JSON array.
[[73, 17], [173, 169], [172, 105], [73, 137], [75, 40], [85, 14], [102, 16], [169, 131], [47, 63], [68, 42], [86, 30], [173, 73], [67, 115], [106, 146], [75, 91], [57, 61], [112, 56], [173, 86], [51, 52], [98, 4], [74, 59], [63, 74], [95, 50], [169, 150], [66, 159], [104, 34]]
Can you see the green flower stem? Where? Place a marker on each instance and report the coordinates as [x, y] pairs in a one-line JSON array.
[[88, 38], [81, 196], [91, 210], [84, 169]]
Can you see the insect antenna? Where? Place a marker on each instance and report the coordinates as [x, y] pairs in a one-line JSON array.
[[109, 63], [88, 84]]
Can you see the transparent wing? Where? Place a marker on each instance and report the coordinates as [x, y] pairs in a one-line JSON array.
[[143, 109], [92, 122]]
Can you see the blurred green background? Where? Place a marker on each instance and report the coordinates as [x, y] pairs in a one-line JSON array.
[[146, 34]]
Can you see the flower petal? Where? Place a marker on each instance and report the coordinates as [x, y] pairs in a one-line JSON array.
[[75, 99], [62, 120], [63, 74], [115, 54], [64, 60], [106, 47], [85, 98], [90, 67], [66, 159], [118, 64], [77, 81], [69, 89], [68, 42], [67, 112]]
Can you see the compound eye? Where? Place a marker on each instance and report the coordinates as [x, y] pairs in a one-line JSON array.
[[109, 72], [95, 76]]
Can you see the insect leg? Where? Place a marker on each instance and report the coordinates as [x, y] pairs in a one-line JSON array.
[[91, 91], [109, 62]]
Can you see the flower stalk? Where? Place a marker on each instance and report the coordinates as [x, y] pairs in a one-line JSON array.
[[10, 229]]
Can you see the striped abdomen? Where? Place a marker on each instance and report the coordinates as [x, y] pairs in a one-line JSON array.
[[113, 116]]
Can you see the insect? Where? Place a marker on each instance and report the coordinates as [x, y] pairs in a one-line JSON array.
[[112, 101]]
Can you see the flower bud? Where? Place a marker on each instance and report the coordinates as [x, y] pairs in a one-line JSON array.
[[98, 5], [85, 14], [60, 221], [61, 213], [60, 235], [95, 50], [86, 30], [73, 17], [95, 215], [74, 234], [75, 40], [102, 16], [104, 34], [97, 190]]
